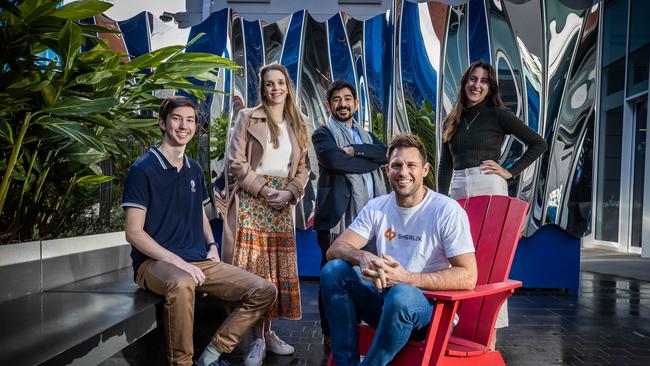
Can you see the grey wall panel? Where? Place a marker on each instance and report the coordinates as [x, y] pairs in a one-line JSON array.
[[64, 269], [20, 270]]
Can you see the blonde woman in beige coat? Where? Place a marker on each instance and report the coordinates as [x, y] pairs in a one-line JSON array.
[[268, 159]]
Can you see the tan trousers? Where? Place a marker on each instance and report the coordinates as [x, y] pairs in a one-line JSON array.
[[251, 296]]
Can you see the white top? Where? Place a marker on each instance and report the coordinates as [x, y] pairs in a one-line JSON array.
[[275, 162], [422, 237]]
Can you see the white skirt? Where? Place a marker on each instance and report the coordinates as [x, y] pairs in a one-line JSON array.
[[472, 182]]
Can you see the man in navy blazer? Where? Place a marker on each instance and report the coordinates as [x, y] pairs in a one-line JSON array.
[[349, 161]]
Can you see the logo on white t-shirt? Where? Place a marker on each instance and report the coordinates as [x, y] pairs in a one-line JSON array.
[[391, 234]]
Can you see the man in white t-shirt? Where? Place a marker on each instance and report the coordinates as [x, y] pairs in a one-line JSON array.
[[423, 243]]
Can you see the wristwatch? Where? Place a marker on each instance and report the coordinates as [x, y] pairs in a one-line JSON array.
[[211, 244]]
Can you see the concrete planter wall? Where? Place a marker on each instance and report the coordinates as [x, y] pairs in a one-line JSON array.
[[31, 267]]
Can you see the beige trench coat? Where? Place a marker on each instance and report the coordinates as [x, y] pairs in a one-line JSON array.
[[247, 143]]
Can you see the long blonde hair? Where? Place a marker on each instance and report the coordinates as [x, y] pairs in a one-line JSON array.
[[493, 98], [290, 113]]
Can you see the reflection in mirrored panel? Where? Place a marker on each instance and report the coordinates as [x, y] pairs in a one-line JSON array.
[[419, 50], [407, 62], [456, 58], [478, 32], [254, 50], [378, 71], [562, 29], [274, 35]]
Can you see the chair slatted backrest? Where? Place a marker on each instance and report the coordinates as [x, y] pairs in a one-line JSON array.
[[495, 223]]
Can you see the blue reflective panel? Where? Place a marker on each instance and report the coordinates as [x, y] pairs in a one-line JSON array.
[[377, 51], [238, 56], [214, 41], [362, 114], [533, 106], [419, 79], [479, 43], [340, 56], [136, 34], [456, 57], [254, 47], [291, 52]]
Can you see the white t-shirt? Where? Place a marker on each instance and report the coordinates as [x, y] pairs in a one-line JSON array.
[[275, 162], [422, 237]]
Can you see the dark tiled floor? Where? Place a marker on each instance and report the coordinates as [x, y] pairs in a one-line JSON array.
[[606, 323]]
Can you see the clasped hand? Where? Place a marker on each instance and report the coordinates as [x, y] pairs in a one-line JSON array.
[[277, 198], [382, 271]]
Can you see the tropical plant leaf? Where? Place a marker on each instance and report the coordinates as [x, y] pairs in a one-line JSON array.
[[39, 11], [81, 9], [96, 77], [153, 58], [80, 107], [6, 132], [70, 40], [74, 131], [138, 123], [85, 157], [93, 179], [100, 120]]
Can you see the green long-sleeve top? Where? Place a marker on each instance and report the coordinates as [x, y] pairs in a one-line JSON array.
[[479, 137]]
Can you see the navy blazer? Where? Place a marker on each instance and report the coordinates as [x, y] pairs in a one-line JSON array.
[[333, 195]]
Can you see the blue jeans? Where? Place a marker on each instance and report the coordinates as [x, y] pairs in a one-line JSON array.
[[397, 313]]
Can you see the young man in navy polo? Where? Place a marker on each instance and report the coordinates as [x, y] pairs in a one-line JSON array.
[[173, 249]]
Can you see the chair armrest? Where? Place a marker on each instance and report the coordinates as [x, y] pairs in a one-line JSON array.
[[478, 291]]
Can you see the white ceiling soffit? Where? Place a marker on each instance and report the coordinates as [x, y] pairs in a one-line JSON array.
[[321, 10]]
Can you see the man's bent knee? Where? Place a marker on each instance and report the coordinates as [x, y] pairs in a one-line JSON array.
[[334, 267], [402, 295]]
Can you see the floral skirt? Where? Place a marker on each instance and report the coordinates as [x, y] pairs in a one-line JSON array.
[[265, 245]]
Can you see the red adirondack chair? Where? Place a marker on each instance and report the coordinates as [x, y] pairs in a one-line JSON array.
[[495, 222]]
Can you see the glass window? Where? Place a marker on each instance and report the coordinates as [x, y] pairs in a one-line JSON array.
[[614, 31], [637, 68], [609, 175], [640, 117], [608, 183]]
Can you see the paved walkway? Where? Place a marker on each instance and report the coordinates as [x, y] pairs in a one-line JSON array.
[[607, 322]]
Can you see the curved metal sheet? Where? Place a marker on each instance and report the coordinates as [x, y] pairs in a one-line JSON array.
[[254, 47], [478, 35], [291, 50], [378, 71], [406, 64]]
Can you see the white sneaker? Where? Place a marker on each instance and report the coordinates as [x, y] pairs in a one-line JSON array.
[[255, 355], [277, 345]]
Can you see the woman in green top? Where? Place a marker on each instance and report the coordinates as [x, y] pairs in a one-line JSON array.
[[473, 134]]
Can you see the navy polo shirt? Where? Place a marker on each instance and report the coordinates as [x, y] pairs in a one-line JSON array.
[[173, 201]]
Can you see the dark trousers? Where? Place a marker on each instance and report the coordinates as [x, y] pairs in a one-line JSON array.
[[325, 239]]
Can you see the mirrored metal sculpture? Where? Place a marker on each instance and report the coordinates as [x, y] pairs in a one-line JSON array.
[[406, 64]]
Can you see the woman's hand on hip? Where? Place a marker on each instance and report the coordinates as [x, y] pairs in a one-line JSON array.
[[492, 167]]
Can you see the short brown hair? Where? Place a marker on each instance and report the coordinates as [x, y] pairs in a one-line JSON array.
[[170, 103], [404, 140]]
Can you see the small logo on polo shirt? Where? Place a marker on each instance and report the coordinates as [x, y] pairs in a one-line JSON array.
[[390, 234], [192, 185]]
